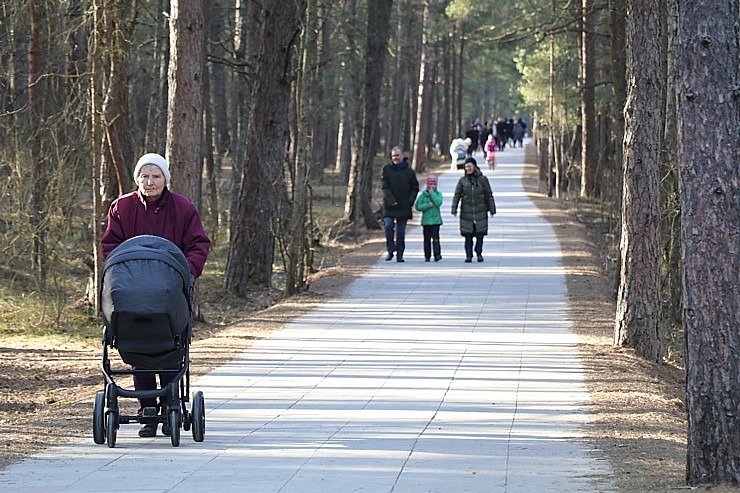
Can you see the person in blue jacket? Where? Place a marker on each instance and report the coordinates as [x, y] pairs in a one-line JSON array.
[[429, 204]]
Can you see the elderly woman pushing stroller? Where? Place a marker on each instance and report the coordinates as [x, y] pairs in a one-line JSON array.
[[154, 210]]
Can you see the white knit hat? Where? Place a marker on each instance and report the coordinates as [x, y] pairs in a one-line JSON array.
[[156, 160]]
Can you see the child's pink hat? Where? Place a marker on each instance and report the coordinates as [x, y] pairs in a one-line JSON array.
[[431, 179]]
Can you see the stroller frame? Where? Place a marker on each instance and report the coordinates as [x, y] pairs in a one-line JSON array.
[[107, 416]]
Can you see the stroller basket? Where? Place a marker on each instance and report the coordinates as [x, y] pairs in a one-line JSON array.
[[145, 302]]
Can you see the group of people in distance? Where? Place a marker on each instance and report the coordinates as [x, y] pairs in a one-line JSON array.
[[503, 131], [473, 196]]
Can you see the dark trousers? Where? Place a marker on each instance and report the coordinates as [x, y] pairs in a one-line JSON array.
[[469, 243], [395, 228], [431, 241], [149, 382]]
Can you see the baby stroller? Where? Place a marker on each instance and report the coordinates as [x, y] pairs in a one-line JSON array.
[[458, 151], [145, 302]]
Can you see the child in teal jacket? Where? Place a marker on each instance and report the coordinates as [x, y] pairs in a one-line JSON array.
[[429, 203]]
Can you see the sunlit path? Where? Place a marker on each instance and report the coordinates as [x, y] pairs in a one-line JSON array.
[[444, 377]]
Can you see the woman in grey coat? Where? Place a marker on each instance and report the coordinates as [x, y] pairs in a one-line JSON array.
[[473, 193]]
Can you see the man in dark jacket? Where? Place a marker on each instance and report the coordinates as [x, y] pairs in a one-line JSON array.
[[400, 187]]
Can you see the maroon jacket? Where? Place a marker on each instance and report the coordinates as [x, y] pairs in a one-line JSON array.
[[172, 217]]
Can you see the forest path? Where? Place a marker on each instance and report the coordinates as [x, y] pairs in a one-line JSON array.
[[440, 376]]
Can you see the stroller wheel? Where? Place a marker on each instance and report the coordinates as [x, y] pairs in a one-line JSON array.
[[111, 428], [174, 416], [99, 418], [199, 417]]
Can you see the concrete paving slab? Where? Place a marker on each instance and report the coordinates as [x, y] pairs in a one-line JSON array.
[[424, 377]]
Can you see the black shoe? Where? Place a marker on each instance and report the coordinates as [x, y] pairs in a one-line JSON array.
[[148, 430], [166, 429], [468, 260], [437, 259], [480, 258], [389, 257], [428, 260], [400, 259]]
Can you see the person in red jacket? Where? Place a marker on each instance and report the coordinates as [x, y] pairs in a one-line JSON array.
[[154, 210]]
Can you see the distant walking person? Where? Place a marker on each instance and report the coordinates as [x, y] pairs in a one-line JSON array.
[[400, 187], [501, 134], [473, 194], [517, 134], [429, 203], [472, 134], [491, 149]]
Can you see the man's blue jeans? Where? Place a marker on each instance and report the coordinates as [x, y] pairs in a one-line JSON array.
[[399, 245]]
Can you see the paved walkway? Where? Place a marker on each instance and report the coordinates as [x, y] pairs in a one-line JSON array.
[[424, 377]]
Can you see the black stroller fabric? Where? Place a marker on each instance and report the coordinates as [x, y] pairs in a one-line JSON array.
[[145, 302]]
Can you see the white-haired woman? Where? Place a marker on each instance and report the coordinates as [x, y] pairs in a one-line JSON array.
[[154, 210]]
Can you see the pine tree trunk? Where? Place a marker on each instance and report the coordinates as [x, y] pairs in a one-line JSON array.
[[423, 100], [251, 250], [37, 91], [708, 105], [617, 49], [671, 221], [361, 177], [588, 101], [185, 105], [155, 134], [221, 108], [638, 315], [294, 237], [400, 72]]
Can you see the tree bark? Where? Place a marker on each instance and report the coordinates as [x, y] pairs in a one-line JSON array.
[[617, 15], [247, 25], [459, 72], [671, 210], [211, 128], [455, 118], [588, 101], [251, 250], [185, 105], [349, 109], [400, 74], [325, 119], [96, 131], [423, 100], [708, 105], [294, 236], [360, 188], [219, 38], [155, 135], [552, 177], [638, 303], [37, 90], [444, 136]]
